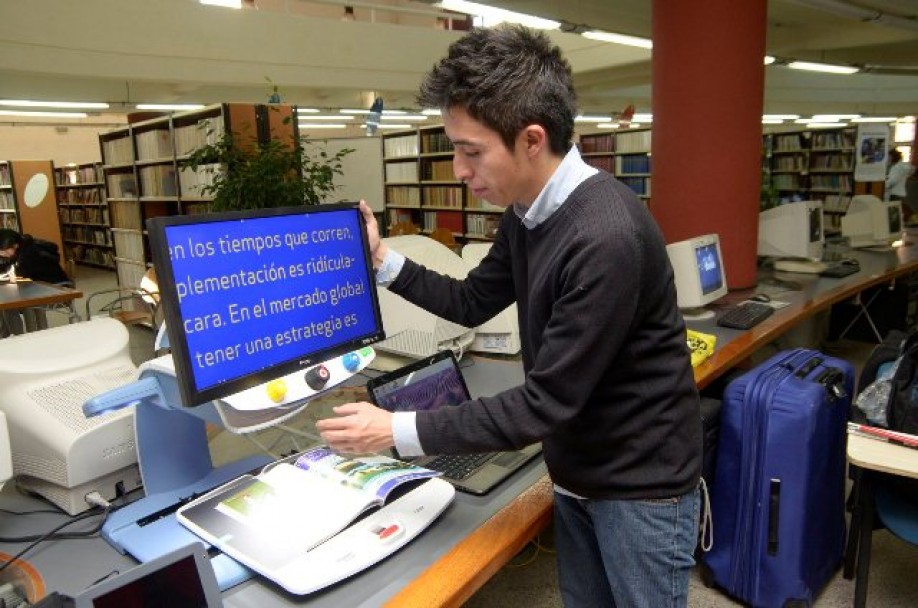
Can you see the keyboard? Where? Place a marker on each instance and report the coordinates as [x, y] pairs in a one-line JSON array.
[[745, 315], [837, 271], [458, 466]]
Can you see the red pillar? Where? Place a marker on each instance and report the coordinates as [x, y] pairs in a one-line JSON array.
[[708, 85]]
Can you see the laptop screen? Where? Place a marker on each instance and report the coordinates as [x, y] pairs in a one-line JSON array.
[[427, 384]]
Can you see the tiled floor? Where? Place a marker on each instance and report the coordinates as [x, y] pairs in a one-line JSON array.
[[530, 580]]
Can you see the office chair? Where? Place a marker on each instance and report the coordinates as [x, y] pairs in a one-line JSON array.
[[403, 228], [66, 308], [133, 306], [446, 237]]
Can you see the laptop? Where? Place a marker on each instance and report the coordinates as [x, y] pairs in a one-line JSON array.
[[434, 382], [183, 577]]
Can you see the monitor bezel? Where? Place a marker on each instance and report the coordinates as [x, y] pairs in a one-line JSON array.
[[193, 395]]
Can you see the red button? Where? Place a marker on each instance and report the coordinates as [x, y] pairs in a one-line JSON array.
[[386, 533]]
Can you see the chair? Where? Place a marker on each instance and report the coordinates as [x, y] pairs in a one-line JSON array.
[[133, 306], [446, 237], [403, 228]]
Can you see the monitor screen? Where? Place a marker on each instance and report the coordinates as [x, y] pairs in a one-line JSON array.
[[709, 268], [249, 296]]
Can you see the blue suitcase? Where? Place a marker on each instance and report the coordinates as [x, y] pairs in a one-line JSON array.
[[778, 499]]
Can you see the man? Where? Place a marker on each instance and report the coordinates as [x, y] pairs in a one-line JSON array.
[[32, 258], [899, 172], [609, 388]]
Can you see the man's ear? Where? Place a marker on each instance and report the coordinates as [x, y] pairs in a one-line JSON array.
[[535, 139]]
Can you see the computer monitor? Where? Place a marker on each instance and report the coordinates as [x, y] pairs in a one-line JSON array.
[[792, 230], [870, 222], [698, 269], [249, 296], [412, 332], [500, 334]]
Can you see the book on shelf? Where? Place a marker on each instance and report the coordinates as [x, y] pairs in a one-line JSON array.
[[268, 519]]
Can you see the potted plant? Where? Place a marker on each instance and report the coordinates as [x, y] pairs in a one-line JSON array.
[[272, 173]]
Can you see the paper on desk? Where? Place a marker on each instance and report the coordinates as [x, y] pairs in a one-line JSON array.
[[776, 304]]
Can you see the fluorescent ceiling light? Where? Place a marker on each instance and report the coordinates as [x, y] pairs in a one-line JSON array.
[[608, 125], [408, 117], [307, 111], [169, 106], [430, 112], [390, 126], [643, 43], [583, 118], [822, 67], [325, 117], [834, 117], [874, 119], [321, 125], [25, 103], [780, 116], [642, 118], [223, 3], [348, 111], [769, 60], [490, 16], [43, 114], [394, 112], [772, 121], [821, 125]]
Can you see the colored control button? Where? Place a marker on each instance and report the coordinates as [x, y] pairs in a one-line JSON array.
[[351, 362], [316, 377], [277, 390], [389, 532]]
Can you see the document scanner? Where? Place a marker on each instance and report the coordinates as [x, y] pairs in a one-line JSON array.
[[176, 469]]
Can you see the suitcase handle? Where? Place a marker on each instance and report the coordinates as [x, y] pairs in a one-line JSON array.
[[807, 367], [774, 507]]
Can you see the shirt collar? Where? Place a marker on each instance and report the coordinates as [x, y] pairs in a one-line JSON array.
[[570, 173]]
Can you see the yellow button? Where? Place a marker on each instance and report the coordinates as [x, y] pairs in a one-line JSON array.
[[277, 390]]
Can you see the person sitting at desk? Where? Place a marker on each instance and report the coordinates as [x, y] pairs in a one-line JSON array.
[[609, 388], [28, 258]]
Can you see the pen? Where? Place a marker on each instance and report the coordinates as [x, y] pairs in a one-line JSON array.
[[903, 439]]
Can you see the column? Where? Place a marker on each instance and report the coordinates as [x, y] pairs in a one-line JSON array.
[[708, 86]]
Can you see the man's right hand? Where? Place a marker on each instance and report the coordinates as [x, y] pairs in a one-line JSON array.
[[378, 249]]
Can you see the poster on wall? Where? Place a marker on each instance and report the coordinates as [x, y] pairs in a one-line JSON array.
[[870, 152]]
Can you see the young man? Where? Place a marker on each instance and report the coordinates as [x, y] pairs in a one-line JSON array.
[[32, 258], [609, 388]]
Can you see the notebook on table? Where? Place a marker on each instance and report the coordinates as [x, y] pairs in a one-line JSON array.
[[434, 382]]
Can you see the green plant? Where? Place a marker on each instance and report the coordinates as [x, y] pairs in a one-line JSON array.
[[271, 173]]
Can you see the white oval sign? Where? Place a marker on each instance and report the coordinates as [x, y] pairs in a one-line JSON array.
[[36, 190]]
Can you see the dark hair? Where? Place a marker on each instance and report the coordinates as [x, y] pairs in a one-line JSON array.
[[9, 237], [894, 155], [507, 77]]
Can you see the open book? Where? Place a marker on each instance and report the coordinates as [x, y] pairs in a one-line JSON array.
[[268, 520]]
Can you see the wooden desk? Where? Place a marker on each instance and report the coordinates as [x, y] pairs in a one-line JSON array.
[[872, 457]]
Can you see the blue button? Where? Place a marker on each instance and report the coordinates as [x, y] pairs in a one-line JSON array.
[[351, 362]]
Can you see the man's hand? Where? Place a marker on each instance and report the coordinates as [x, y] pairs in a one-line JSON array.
[[378, 249], [358, 428]]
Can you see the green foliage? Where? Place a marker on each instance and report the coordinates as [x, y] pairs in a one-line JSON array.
[[270, 174]]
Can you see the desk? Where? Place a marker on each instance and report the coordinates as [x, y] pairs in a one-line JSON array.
[[872, 456], [29, 294], [477, 536]]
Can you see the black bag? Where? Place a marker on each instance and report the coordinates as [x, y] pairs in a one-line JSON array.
[[902, 409]]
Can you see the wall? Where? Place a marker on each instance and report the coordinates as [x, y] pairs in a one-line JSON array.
[[61, 145]]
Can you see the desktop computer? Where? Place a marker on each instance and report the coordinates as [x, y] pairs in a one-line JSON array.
[[793, 233], [501, 334], [57, 452], [870, 222], [698, 274]]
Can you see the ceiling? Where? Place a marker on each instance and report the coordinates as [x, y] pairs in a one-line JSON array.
[[173, 51]]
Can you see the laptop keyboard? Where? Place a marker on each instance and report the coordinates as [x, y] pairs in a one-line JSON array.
[[458, 466]]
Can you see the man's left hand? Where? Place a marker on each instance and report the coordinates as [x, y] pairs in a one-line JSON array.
[[358, 428]]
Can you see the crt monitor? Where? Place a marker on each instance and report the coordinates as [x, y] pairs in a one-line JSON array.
[[249, 296], [792, 230], [698, 269], [870, 222]]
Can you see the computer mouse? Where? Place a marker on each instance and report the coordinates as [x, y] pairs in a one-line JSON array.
[[760, 297], [849, 262]]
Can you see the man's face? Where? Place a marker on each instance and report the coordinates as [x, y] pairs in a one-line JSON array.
[[483, 162], [9, 253]]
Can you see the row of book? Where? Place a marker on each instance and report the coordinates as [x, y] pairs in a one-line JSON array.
[[154, 144], [596, 143], [193, 182], [121, 185], [443, 196], [431, 220], [125, 215], [438, 171], [635, 141], [640, 185], [402, 172], [118, 151], [158, 181], [632, 164], [79, 196], [6, 200], [789, 163], [838, 182], [843, 161], [9, 220], [402, 145], [84, 215], [435, 142], [92, 255], [404, 196], [128, 244], [480, 224], [606, 163], [88, 235], [79, 176], [5, 174], [834, 139], [206, 131]]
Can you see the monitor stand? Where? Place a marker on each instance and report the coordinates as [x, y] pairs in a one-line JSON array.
[[175, 461], [696, 314]]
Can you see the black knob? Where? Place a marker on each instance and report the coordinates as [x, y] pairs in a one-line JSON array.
[[317, 377]]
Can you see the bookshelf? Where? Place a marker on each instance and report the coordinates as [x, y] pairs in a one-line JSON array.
[[625, 154], [419, 187], [27, 199], [83, 210], [145, 176], [813, 165]]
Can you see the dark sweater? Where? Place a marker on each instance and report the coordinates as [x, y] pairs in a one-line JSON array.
[[609, 388], [39, 260]]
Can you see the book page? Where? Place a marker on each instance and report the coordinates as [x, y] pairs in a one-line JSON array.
[[290, 507], [373, 475]]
